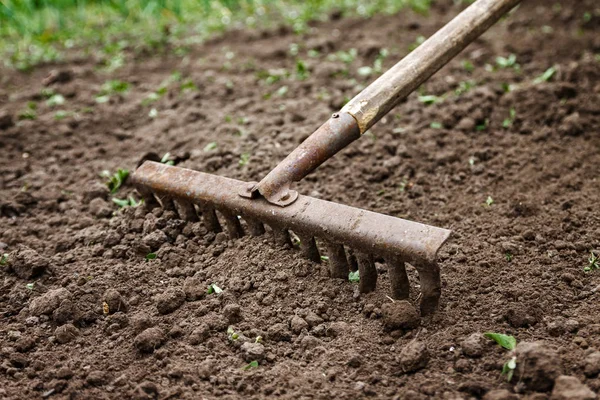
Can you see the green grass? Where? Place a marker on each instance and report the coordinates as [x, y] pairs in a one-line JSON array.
[[41, 31]]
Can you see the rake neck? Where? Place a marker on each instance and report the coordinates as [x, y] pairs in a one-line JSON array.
[[335, 134]]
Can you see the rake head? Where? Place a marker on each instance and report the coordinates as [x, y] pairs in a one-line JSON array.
[[353, 238]]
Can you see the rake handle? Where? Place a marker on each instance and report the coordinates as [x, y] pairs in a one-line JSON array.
[[375, 101]]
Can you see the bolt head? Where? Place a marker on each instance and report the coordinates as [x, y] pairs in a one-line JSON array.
[[284, 197]]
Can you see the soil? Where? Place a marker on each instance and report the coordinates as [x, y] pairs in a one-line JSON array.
[[84, 314]]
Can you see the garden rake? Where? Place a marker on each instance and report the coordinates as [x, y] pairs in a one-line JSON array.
[[353, 238]]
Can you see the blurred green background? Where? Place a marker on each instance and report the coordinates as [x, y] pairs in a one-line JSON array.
[[38, 31]]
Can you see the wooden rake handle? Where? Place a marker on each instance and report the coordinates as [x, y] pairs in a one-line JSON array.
[[375, 101], [370, 105]]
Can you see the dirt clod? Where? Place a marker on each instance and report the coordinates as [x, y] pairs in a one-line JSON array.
[[149, 340], [500, 394], [279, 333], [48, 302], [193, 289], [170, 300], [537, 366], [571, 388], [297, 324], [26, 263], [253, 351], [473, 345], [66, 333], [400, 315], [115, 301], [592, 364], [413, 356]]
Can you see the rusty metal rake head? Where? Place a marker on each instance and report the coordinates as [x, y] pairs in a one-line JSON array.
[[367, 235]]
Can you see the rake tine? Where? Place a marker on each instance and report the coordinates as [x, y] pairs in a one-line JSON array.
[[148, 197], [282, 237], [338, 263], [210, 220], [186, 210], [308, 245], [255, 227], [234, 227], [165, 202], [431, 286], [368, 273], [400, 286], [352, 262]]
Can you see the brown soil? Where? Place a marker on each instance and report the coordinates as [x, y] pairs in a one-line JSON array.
[[102, 322]]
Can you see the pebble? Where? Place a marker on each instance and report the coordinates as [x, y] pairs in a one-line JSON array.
[[149, 340], [400, 315], [473, 345], [570, 388], [413, 356], [170, 300]]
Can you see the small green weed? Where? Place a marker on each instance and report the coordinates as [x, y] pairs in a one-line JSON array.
[[128, 202], [252, 364], [509, 343], [483, 126], [213, 288], [430, 99], [508, 256], [508, 62], [55, 100], [4, 259], [508, 122], [593, 262], [150, 256], [468, 66], [210, 146], [30, 286], [354, 276], [115, 180], [166, 159], [489, 201], [244, 159], [436, 125], [546, 76], [29, 112]]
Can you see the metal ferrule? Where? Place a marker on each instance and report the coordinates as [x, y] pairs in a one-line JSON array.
[[335, 134]]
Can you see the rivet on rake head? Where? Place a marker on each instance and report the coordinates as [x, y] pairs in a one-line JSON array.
[[284, 197], [335, 115]]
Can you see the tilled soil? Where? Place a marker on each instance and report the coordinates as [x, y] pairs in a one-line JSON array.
[[85, 315]]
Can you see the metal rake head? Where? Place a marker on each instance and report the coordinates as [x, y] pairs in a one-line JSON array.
[[366, 235]]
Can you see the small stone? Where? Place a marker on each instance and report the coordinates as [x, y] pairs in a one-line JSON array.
[[155, 239], [279, 333], [170, 300], [473, 345], [149, 340], [297, 324], [466, 124], [400, 315], [233, 313], [48, 302], [500, 394], [194, 289], [571, 125], [65, 312], [26, 263], [66, 333], [570, 388], [115, 301], [592, 364], [571, 325], [253, 351], [100, 208], [414, 356], [538, 366]]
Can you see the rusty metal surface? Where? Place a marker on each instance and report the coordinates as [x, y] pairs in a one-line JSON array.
[[370, 235], [335, 134]]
